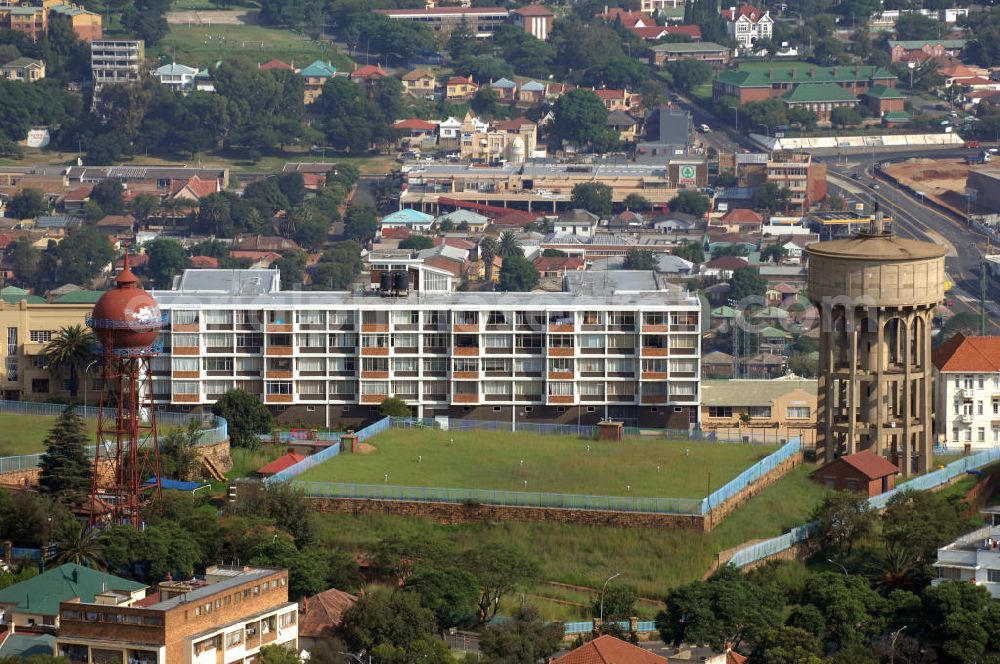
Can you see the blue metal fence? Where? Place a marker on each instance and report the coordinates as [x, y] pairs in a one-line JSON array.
[[300, 436], [327, 454], [762, 550], [585, 627], [751, 475], [20, 553], [215, 430]]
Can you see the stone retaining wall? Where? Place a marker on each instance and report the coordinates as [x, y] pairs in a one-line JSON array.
[[717, 514]]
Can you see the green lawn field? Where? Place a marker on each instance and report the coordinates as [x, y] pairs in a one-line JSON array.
[[204, 45], [650, 559], [549, 464], [23, 434]]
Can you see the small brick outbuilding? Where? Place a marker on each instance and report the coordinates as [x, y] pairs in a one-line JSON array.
[[863, 471]]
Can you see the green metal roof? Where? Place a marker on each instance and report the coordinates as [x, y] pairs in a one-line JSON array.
[[913, 44], [79, 297], [896, 116], [818, 92], [22, 62], [689, 47], [774, 333], [724, 312], [319, 69], [13, 295], [884, 92], [764, 78], [41, 594]]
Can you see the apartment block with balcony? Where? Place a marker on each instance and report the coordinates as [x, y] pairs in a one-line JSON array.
[[967, 391], [116, 61], [629, 350], [973, 557], [227, 617]]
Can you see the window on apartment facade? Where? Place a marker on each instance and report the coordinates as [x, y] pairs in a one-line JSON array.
[[968, 381], [981, 435], [720, 411], [374, 364], [405, 340], [218, 317], [798, 412], [497, 341], [219, 340], [684, 366], [465, 364], [278, 387], [234, 639], [40, 336], [993, 575], [286, 619], [560, 389], [185, 340], [184, 317], [182, 387], [996, 406], [40, 385], [186, 363], [435, 366], [311, 317]]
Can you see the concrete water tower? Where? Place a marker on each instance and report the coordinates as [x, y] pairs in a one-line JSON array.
[[876, 294]]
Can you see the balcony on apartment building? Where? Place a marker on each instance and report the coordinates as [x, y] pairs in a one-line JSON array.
[[279, 321], [466, 345], [279, 344], [529, 322], [249, 320], [465, 321], [654, 345]]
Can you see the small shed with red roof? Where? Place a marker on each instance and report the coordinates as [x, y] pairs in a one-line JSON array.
[[862, 471], [281, 463]]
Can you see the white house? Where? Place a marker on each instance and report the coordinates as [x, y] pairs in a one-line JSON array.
[[967, 391], [973, 557], [415, 220], [746, 24], [580, 223], [178, 77]]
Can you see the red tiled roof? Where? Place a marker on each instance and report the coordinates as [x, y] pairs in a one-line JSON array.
[[395, 233], [971, 354], [280, 464], [456, 242], [742, 216], [553, 263], [135, 260], [471, 11], [263, 243], [610, 94], [533, 10], [78, 194], [749, 11], [415, 124], [116, 220], [692, 31], [727, 263], [974, 80], [320, 614], [512, 125], [255, 255], [275, 64], [448, 265], [650, 32], [869, 464], [368, 71], [460, 80], [627, 18], [198, 187], [204, 262], [606, 649]]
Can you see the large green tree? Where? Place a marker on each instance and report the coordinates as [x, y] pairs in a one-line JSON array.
[[640, 259], [361, 223], [593, 197], [747, 282], [385, 618], [246, 415], [843, 519], [449, 592], [167, 259], [518, 275], [524, 639], [500, 569], [65, 471], [582, 119]]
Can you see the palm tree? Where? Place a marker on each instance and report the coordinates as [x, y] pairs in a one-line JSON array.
[[509, 245], [81, 546], [897, 568], [294, 220], [488, 249], [71, 349]]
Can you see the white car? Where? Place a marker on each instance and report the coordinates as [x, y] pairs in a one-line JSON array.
[[704, 128]]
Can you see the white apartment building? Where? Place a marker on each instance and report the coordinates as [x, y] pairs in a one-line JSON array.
[[746, 24], [625, 346], [116, 61], [967, 391], [973, 557]]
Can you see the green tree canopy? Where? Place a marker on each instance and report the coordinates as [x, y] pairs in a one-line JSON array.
[[65, 471], [27, 204], [361, 223], [246, 416], [746, 282], [518, 275], [640, 259], [450, 593], [167, 259], [582, 119], [593, 197], [383, 618], [844, 518], [71, 350], [393, 407], [524, 639], [690, 202]]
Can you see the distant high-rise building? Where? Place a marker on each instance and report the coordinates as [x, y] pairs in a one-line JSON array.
[[116, 61], [876, 294]]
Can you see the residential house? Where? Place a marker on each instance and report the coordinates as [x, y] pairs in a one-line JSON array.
[[746, 24], [316, 75], [263, 243], [865, 472], [117, 225], [616, 100], [967, 391], [460, 88], [624, 125], [179, 78], [881, 100], [415, 131], [32, 22], [531, 93], [27, 70], [276, 65], [787, 406], [450, 129], [535, 20], [724, 266], [929, 48], [766, 365], [716, 54], [465, 219], [193, 189], [59, 225], [576, 222], [512, 141], [414, 220], [505, 89], [607, 649], [314, 174], [320, 616], [740, 220], [74, 199], [420, 83], [35, 602], [482, 21], [204, 262], [717, 364], [229, 615]]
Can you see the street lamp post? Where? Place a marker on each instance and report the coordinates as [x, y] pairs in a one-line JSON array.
[[831, 560], [85, 372], [605, 587], [895, 635], [767, 128]]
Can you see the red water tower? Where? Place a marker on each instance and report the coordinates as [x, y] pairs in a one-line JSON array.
[[126, 321]]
